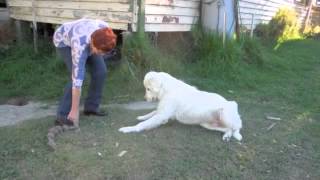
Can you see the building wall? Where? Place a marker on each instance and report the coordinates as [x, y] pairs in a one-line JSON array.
[[171, 15], [264, 10], [315, 16], [118, 13], [160, 15]]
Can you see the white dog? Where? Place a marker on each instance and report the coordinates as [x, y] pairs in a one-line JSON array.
[[188, 105]]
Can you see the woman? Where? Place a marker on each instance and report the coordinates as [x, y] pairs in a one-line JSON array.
[[83, 43]]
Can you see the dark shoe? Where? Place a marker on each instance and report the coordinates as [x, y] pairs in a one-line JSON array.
[[61, 122], [93, 113]]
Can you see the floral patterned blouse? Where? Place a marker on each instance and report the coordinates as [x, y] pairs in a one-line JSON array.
[[77, 35]]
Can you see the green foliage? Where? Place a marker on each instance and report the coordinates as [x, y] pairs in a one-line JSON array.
[[285, 87], [211, 56], [141, 56], [282, 27], [24, 73], [252, 50], [262, 30], [310, 31]]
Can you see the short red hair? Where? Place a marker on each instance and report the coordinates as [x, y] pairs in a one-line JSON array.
[[104, 39]]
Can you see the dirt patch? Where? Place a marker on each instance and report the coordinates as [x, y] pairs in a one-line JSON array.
[[17, 101]]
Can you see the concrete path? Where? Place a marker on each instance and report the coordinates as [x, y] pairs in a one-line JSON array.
[[11, 115]]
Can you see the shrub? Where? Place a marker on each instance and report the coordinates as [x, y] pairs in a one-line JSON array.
[[312, 31], [262, 31], [282, 27], [140, 56], [212, 57], [252, 51]]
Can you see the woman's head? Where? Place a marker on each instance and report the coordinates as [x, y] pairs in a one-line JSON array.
[[102, 41]]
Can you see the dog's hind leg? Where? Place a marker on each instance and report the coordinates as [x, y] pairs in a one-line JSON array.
[[211, 127], [227, 131], [236, 134], [147, 116]]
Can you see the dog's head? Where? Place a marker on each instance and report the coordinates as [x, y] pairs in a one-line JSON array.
[[154, 83]]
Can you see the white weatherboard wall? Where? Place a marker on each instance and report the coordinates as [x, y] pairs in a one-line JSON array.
[[264, 10], [171, 15], [118, 13]]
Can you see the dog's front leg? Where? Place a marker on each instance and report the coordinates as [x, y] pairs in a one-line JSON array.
[[151, 123], [147, 116]]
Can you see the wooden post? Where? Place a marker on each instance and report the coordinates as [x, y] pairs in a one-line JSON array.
[[18, 31], [134, 22], [306, 22], [34, 27], [141, 18], [236, 18], [224, 27], [45, 31], [251, 29]]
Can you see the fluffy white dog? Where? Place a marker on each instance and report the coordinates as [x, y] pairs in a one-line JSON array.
[[188, 105]]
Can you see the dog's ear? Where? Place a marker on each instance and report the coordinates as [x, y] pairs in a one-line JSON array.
[[153, 80]]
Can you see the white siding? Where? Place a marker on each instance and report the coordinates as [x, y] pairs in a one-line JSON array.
[[170, 15], [117, 13], [264, 10]]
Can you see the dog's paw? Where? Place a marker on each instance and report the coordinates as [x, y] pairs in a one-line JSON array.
[[141, 118], [128, 129], [237, 136], [227, 136]]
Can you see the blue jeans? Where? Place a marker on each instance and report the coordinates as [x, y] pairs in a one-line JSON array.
[[98, 72]]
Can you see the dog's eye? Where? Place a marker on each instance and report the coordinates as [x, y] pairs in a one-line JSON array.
[[148, 89]]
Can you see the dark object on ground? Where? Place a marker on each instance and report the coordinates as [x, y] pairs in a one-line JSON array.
[[61, 122], [55, 131], [99, 113], [17, 101]]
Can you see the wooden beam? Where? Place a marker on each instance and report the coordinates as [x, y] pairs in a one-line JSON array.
[[141, 18], [18, 31], [34, 27], [56, 20], [122, 7], [117, 17]]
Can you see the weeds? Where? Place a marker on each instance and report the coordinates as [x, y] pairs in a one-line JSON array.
[[24, 73]]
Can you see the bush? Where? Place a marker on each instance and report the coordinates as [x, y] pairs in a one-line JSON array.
[[252, 51], [212, 57], [312, 31], [141, 56], [262, 31], [282, 27]]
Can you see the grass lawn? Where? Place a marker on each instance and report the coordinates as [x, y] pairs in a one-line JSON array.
[[287, 86]]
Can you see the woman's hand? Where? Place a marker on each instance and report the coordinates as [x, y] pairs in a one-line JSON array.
[[74, 116]]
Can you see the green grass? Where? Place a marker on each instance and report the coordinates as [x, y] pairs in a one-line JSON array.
[[285, 85], [24, 73]]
